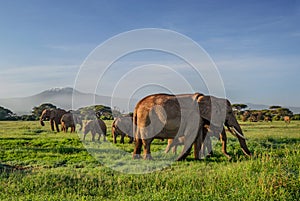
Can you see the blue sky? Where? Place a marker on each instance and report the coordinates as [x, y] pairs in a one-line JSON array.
[[254, 44]]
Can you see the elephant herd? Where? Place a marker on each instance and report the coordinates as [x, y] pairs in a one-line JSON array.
[[70, 120], [185, 119]]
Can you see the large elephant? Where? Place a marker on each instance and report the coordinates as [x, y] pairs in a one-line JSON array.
[[95, 126], [122, 126], [54, 116], [165, 116], [67, 121]]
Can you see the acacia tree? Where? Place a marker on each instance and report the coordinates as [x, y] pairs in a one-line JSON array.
[[239, 107], [98, 111], [5, 113], [274, 107], [37, 111]]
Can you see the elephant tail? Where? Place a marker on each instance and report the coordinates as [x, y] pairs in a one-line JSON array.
[[136, 133]]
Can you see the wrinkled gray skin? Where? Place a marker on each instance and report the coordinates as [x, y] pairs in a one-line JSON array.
[[122, 126], [165, 116], [95, 126]]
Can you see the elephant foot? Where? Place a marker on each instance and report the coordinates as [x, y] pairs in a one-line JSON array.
[[148, 157], [136, 156], [181, 158]]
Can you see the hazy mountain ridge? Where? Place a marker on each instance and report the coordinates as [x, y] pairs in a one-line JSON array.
[[62, 98]]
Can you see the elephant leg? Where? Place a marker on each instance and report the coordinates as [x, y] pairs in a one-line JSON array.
[[114, 134], [137, 149], [174, 149], [183, 156], [93, 135], [208, 146], [197, 147], [169, 146], [104, 137], [130, 139], [202, 142], [223, 139], [56, 125], [147, 152], [122, 138], [52, 124]]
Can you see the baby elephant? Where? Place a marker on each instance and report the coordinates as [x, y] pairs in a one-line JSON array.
[[205, 146], [122, 126], [67, 121], [95, 126]]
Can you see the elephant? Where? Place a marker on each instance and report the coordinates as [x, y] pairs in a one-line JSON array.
[[206, 143], [95, 126], [166, 116], [122, 126], [67, 121], [180, 141], [54, 115], [77, 119]]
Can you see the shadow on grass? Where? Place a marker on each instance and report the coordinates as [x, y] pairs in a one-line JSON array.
[[60, 150], [4, 168], [277, 142], [16, 138]]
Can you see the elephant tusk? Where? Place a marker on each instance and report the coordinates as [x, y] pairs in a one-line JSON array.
[[237, 133], [233, 133]]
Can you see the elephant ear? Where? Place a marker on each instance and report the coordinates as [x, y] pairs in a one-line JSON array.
[[205, 107], [213, 109], [52, 114]]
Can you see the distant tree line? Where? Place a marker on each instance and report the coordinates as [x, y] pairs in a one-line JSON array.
[[274, 113], [89, 112]]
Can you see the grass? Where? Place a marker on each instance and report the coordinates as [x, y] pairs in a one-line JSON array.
[[38, 164]]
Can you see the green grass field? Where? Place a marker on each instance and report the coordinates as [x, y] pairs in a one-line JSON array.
[[37, 164]]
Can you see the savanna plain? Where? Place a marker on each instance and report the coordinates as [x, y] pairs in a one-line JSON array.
[[38, 164]]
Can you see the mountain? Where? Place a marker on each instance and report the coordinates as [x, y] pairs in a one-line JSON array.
[[64, 97], [60, 97]]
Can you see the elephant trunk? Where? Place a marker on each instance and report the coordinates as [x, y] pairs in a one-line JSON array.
[[42, 122], [237, 131], [242, 140]]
